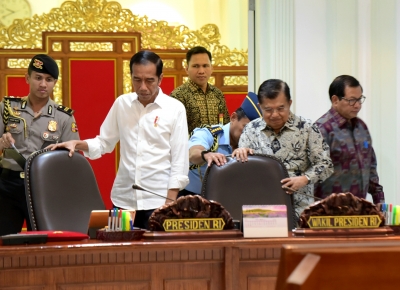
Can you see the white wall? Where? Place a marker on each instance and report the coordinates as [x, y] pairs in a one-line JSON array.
[[330, 38]]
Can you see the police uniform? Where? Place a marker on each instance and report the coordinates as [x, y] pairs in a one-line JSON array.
[[31, 132], [216, 139]]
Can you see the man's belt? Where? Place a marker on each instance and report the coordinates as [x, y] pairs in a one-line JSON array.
[[8, 173]]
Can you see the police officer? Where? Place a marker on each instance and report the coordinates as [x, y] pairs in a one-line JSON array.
[[211, 143], [30, 124]]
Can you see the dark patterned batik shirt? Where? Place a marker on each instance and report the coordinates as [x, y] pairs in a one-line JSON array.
[[299, 145], [201, 108], [353, 158]]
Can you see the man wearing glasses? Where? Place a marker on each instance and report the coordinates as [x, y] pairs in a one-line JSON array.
[[350, 144], [291, 138]]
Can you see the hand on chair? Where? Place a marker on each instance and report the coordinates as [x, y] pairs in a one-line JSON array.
[[241, 154], [70, 145], [215, 157], [293, 184]]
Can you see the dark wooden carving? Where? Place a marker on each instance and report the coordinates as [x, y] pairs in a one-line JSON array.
[[337, 204], [191, 206]]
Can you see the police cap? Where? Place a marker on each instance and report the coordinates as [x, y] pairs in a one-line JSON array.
[[250, 106], [43, 63]]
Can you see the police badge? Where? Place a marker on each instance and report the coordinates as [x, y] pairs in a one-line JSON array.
[[52, 126]]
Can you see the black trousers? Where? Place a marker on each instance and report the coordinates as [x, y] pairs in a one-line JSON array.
[[13, 208], [142, 218]]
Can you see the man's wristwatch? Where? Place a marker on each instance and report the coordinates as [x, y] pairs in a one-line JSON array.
[[308, 178], [204, 152]]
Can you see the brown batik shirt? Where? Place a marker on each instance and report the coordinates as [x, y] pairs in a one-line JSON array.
[[201, 108]]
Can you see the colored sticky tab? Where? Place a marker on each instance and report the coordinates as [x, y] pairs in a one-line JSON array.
[[398, 215], [384, 212], [394, 214], [126, 221]]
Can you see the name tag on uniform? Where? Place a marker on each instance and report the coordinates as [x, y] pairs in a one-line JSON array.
[[14, 120]]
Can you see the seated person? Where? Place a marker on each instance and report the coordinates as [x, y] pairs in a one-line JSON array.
[[212, 143], [292, 139]]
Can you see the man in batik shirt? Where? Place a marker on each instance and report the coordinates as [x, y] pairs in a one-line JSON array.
[[292, 139], [350, 144], [204, 103]]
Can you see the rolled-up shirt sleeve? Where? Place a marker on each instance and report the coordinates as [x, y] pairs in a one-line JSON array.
[[179, 152]]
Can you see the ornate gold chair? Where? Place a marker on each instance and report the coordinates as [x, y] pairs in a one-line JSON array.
[[255, 182], [61, 191]]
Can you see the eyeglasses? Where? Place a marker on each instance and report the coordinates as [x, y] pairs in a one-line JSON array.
[[353, 101], [270, 111]]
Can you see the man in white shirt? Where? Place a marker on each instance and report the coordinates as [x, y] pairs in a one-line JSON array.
[[152, 130]]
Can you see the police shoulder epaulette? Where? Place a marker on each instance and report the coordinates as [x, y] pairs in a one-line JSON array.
[[65, 109], [216, 130], [16, 99]]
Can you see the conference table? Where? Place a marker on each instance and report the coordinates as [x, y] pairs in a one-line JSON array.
[[222, 263]]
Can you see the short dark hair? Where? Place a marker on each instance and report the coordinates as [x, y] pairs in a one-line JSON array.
[[197, 50], [240, 113], [339, 84], [270, 89], [144, 57]]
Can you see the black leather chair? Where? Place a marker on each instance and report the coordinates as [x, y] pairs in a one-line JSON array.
[[255, 182], [61, 191]]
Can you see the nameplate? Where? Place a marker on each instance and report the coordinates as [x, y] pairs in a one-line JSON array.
[[264, 221], [187, 225], [344, 222]]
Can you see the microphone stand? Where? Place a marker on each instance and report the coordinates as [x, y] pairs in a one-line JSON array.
[[135, 186]]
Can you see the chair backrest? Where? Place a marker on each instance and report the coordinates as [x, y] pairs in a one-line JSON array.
[[255, 182], [346, 266], [61, 191]]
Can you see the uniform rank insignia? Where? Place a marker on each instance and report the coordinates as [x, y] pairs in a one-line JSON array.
[[216, 130], [52, 126], [74, 127], [37, 63], [66, 110]]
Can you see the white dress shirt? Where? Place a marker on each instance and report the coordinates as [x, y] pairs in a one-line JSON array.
[[154, 149]]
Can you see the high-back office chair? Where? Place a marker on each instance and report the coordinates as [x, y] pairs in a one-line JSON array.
[[61, 191], [255, 182]]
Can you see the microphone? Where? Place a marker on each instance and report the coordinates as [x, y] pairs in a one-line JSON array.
[[135, 186]]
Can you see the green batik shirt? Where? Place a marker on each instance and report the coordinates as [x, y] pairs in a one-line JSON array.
[[202, 108]]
